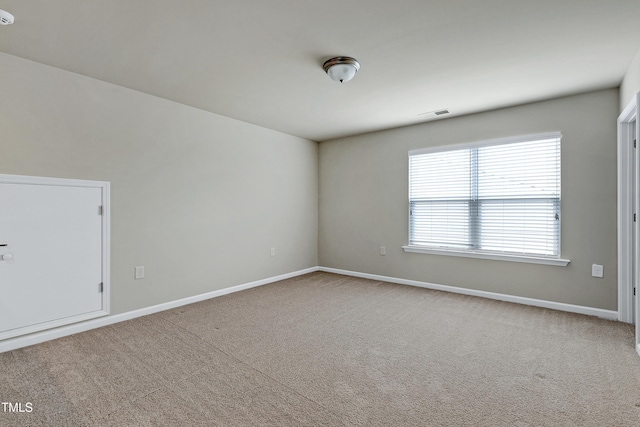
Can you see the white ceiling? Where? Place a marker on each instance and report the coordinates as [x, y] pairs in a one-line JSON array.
[[260, 61]]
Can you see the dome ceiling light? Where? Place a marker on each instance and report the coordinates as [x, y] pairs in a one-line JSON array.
[[341, 68]]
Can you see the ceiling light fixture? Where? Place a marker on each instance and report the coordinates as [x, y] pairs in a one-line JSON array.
[[6, 18], [341, 68]]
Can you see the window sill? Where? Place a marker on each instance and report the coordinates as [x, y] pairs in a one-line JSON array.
[[501, 257]]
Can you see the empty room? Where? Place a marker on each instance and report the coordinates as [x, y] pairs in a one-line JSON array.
[[305, 213]]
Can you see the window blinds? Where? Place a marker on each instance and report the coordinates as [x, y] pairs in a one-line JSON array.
[[499, 196]]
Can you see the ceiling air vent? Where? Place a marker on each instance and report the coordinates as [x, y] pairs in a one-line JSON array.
[[435, 113]]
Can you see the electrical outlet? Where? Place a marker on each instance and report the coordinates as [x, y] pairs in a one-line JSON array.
[[383, 250], [139, 273], [273, 251]]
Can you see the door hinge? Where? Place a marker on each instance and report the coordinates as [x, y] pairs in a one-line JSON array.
[[634, 143], [634, 291], [100, 210], [634, 217], [102, 287]]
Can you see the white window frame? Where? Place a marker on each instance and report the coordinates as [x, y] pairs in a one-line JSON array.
[[557, 261]]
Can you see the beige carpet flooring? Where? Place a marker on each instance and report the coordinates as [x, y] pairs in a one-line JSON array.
[[329, 350]]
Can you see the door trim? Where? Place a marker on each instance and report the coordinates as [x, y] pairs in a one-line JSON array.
[[625, 210], [106, 279]]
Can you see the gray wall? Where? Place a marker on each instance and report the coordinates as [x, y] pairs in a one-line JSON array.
[[198, 199], [363, 202], [631, 82]]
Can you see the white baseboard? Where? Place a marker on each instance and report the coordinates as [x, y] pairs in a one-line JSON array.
[[51, 334], [606, 314]]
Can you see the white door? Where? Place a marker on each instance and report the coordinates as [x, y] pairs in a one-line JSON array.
[[635, 198], [52, 253]]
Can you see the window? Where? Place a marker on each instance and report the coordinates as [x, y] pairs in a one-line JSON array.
[[498, 197]]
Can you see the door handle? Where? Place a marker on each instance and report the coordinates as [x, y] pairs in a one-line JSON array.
[[4, 244]]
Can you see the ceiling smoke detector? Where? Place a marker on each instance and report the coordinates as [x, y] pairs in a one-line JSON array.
[[6, 18]]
